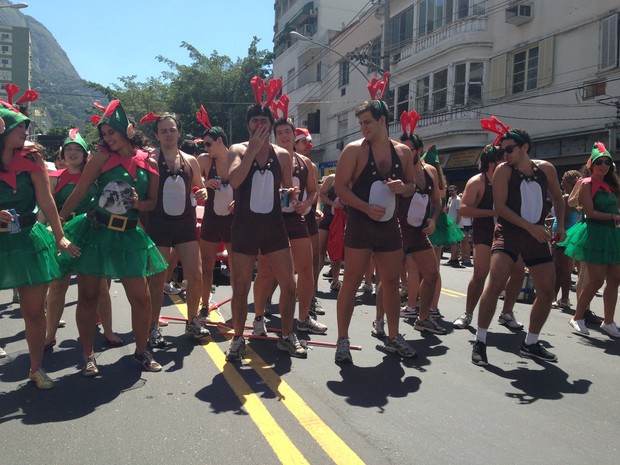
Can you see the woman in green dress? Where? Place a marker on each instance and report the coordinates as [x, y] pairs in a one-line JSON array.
[[74, 154], [596, 241], [113, 246], [27, 249]]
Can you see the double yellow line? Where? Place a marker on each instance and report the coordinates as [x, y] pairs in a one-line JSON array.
[[282, 445]]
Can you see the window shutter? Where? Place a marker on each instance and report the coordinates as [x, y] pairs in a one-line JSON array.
[[498, 77], [545, 62]]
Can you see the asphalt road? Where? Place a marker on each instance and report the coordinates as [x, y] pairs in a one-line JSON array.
[[435, 409]]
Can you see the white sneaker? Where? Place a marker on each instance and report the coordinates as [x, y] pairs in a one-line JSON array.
[[260, 328], [172, 288], [2, 353], [611, 329], [365, 288], [378, 328], [509, 321], [580, 327]]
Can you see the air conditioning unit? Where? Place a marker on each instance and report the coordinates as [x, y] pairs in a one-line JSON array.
[[313, 12], [395, 58], [519, 14], [340, 144]]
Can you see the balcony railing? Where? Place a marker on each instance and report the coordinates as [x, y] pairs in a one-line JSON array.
[[462, 26], [429, 120]]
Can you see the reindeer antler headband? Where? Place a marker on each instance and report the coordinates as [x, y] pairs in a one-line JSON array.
[[378, 87], [280, 105], [502, 130], [408, 121], [271, 90]]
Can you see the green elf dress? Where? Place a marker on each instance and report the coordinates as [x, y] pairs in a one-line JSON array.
[[446, 230], [596, 241], [27, 257], [112, 244], [65, 186]]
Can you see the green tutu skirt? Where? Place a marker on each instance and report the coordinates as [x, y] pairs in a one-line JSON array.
[[28, 257], [593, 243], [110, 254], [446, 231]]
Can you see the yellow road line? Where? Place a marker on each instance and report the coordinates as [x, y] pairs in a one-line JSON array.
[[451, 293], [279, 441]]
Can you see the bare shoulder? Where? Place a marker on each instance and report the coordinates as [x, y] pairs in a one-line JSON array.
[[238, 149], [152, 162], [547, 167]]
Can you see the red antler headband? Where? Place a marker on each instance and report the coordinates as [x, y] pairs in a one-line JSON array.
[[12, 89], [377, 88], [270, 90], [496, 126], [203, 118], [280, 105], [151, 116], [409, 120]]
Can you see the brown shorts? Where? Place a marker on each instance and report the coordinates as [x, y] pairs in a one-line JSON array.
[[216, 228], [168, 233], [295, 226], [414, 240], [363, 233], [312, 224], [326, 222], [515, 241], [264, 237], [483, 235]]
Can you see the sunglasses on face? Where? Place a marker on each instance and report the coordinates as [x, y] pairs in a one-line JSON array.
[[208, 143], [603, 161], [509, 148]]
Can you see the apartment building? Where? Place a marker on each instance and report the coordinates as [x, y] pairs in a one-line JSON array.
[[550, 67], [15, 54]]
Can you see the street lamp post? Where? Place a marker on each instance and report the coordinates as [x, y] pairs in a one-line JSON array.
[[299, 36]]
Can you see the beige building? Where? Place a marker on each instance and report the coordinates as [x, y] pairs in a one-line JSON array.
[[550, 67], [15, 55]]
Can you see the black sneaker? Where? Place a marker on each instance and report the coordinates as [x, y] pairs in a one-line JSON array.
[[592, 318], [479, 354], [537, 350]]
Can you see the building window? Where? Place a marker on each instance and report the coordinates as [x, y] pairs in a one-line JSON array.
[[5, 36], [375, 55], [422, 94], [318, 72], [5, 62], [290, 80], [468, 83], [465, 8], [5, 49], [440, 90], [6, 75], [344, 73], [525, 70], [343, 125], [401, 30], [610, 42], [402, 104], [433, 14]]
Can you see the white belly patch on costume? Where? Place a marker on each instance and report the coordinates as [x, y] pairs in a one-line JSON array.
[[380, 194], [531, 201], [222, 200], [417, 209], [173, 196], [261, 193]]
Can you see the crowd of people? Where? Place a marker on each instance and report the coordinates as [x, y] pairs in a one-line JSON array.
[[127, 211]]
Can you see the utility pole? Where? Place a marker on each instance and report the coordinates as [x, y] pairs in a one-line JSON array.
[[385, 62]]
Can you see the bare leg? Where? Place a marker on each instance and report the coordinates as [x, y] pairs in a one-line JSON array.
[[89, 289], [137, 291], [104, 310], [55, 306], [282, 268], [357, 259], [32, 307], [241, 282], [189, 254]]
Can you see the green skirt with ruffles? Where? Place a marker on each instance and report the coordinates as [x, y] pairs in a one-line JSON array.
[[592, 242], [110, 254], [28, 257], [446, 231]]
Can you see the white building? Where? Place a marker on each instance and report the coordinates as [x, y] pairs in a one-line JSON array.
[[549, 67]]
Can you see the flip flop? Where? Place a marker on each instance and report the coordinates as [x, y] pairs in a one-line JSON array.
[[112, 343]]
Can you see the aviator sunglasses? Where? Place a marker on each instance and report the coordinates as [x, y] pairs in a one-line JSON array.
[[509, 148]]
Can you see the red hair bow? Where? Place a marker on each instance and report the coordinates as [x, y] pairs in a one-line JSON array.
[[271, 90], [409, 120], [377, 88], [496, 126]]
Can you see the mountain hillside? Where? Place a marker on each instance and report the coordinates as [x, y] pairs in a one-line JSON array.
[[62, 90]]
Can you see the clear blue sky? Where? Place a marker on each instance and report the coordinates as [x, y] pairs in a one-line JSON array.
[[112, 38]]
